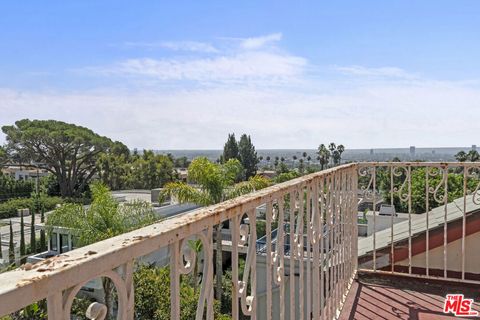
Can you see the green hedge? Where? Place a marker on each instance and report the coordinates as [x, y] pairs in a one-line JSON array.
[[9, 208]]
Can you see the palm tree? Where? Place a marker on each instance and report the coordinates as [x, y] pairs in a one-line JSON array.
[[473, 156], [301, 168], [214, 184], [103, 219], [275, 164], [461, 156], [340, 149], [333, 148], [294, 159], [324, 155], [268, 161]]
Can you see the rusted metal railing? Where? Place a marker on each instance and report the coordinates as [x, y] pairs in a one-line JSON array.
[[311, 281], [439, 204]]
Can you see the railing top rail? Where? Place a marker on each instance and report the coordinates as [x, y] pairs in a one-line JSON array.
[[21, 287], [417, 164]]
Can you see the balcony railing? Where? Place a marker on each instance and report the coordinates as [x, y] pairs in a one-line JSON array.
[[312, 279], [442, 204]]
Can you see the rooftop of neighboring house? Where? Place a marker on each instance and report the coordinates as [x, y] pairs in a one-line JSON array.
[[436, 218]]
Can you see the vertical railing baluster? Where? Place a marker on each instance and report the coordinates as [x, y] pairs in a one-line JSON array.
[[348, 234], [269, 258], [252, 241], [209, 282], [334, 245], [409, 179], [130, 289], [392, 252], [427, 214], [235, 224], [337, 243], [445, 223], [174, 281], [344, 236], [292, 253], [330, 246], [300, 227], [55, 307], [464, 215], [374, 207], [281, 253], [316, 249], [353, 213], [321, 210], [309, 257]]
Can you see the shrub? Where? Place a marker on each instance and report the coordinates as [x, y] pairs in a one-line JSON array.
[[9, 187], [9, 208], [152, 295]]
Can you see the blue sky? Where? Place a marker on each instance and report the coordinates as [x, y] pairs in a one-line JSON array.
[[183, 74]]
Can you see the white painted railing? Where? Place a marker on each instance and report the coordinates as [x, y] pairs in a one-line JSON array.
[[304, 266], [309, 282], [441, 204]]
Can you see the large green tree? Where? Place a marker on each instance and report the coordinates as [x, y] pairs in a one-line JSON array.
[[69, 151], [3, 156], [113, 166], [150, 171], [103, 219], [118, 169], [230, 149], [213, 184], [248, 156]]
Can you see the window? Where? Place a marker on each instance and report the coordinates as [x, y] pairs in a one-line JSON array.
[[53, 242], [64, 243]]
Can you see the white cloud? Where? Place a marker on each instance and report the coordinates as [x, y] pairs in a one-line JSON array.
[[258, 42], [241, 66], [387, 72], [233, 63], [192, 46], [379, 115], [307, 109]]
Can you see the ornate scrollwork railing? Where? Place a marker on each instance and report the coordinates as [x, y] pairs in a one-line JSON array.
[[433, 204], [313, 250]]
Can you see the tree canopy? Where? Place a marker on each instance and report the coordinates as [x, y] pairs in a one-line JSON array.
[[463, 156], [248, 156], [3, 156], [230, 149], [213, 183], [323, 155], [68, 151], [103, 219]]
